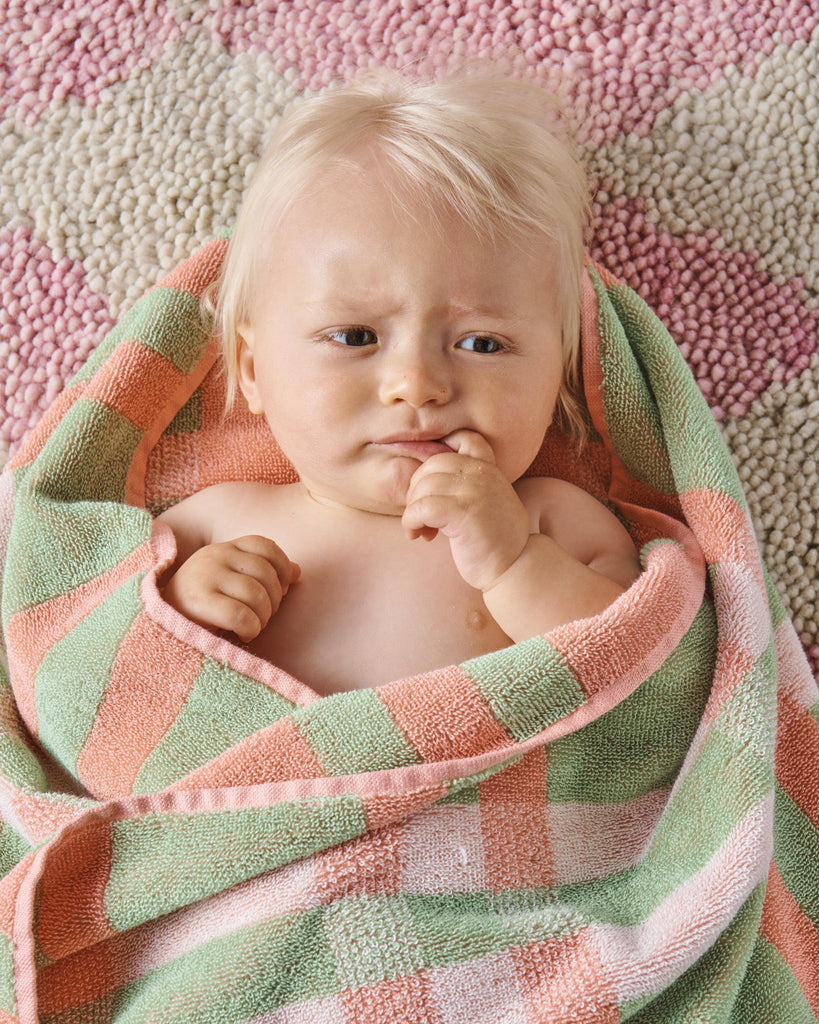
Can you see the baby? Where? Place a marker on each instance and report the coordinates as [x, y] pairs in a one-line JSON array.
[[401, 301]]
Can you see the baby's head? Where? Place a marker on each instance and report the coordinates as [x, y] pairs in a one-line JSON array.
[[494, 152]]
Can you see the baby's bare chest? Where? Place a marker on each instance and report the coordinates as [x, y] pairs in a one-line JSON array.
[[371, 606]]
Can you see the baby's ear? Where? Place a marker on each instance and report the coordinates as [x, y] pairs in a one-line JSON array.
[[246, 369]]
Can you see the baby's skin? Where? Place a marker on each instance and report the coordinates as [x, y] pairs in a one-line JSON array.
[[409, 369], [346, 598]]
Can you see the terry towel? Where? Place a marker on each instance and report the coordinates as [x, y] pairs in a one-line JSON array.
[[616, 821]]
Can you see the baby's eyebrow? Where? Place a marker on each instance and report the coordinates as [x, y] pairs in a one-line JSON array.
[[488, 315], [345, 304], [497, 315], [334, 302], [482, 310], [312, 303]]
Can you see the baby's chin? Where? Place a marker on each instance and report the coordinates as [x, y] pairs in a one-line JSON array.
[[388, 496], [397, 484], [383, 491]]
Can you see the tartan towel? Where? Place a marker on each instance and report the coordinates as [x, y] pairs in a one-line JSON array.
[[614, 821]]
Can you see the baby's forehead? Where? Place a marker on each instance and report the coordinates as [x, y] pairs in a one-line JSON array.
[[350, 267], [338, 253], [369, 183]]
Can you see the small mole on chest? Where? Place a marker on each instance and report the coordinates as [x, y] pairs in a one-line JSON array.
[[476, 619]]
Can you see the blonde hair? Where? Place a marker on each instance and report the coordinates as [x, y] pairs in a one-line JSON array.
[[496, 151]]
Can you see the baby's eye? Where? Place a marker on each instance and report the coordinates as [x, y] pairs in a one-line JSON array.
[[354, 337], [482, 343]]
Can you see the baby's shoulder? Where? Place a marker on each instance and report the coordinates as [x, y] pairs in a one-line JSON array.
[[208, 512], [578, 521], [221, 497], [222, 512], [552, 495]]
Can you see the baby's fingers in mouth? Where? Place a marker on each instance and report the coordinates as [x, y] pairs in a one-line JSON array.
[[471, 443]]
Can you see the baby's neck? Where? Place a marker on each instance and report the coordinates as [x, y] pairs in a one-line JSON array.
[[349, 506]]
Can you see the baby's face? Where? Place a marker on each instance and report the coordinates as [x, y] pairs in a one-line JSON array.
[[375, 334]]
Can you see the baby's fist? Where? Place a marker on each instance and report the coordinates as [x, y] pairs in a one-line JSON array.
[[234, 585]]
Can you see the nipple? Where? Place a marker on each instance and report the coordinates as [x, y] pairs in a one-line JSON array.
[[476, 619]]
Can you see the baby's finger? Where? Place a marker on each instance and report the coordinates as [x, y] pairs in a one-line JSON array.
[[427, 515], [263, 547], [230, 614], [250, 576], [422, 533], [471, 443], [263, 598], [445, 478]]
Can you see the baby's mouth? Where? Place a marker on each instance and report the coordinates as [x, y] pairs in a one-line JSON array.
[[420, 448]]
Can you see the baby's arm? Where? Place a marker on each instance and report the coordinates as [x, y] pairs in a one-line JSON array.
[[235, 585], [577, 563], [542, 554]]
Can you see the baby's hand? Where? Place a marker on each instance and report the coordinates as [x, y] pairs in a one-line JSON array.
[[467, 498], [236, 585]]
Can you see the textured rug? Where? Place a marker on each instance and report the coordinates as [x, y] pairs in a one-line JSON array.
[[128, 132]]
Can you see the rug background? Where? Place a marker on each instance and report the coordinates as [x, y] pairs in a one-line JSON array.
[[129, 130]]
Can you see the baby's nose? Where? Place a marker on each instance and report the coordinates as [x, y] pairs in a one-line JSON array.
[[416, 380]]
